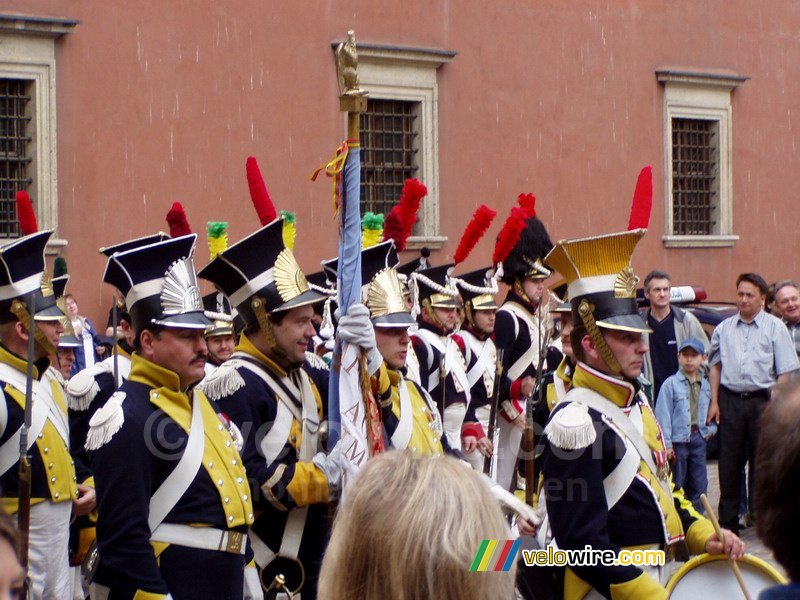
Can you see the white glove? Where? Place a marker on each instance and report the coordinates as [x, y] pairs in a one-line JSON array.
[[331, 465], [356, 328]]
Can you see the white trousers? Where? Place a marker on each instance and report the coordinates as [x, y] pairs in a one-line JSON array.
[[508, 450], [452, 421], [48, 554]]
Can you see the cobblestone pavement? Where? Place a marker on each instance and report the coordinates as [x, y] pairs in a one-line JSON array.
[[754, 544]]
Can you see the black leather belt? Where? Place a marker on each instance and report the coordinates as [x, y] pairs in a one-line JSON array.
[[746, 395]]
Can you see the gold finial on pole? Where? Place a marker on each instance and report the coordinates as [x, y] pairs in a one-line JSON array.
[[352, 99]]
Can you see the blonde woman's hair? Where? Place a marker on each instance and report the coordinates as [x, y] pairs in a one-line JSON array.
[[409, 529]]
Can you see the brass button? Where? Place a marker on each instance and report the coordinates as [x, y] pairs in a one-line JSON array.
[[50, 466], [47, 450], [219, 426], [239, 480], [220, 482], [233, 462], [41, 435], [250, 516], [227, 444], [52, 480], [230, 519], [227, 500], [245, 497], [210, 465], [57, 495]]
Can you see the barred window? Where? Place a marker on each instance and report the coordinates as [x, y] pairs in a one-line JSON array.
[[695, 176], [389, 152], [15, 149]]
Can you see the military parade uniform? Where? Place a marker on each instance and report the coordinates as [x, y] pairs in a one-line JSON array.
[[53, 476], [280, 411], [606, 473], [438, 351], [480, 354], [518, 335], [174, 502]]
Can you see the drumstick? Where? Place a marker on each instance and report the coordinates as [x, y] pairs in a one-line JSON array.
[[736, 571]]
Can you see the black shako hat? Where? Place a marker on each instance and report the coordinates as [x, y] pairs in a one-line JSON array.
[[218, 308], [261, 269], [434, 285], [478, 288], [159, 284], [22, 272]]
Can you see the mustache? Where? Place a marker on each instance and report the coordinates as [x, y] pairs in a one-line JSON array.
[[203, 355]]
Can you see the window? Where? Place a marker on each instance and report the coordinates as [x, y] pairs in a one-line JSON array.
[[16, 137], [28, 119], [697, 126], [389, 138], [400, 131], [695, 176]]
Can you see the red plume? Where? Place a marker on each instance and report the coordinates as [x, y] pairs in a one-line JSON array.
[[406, 212], [410, 200], [176, 218], [258, 192], [528, 203], [25, 214], [479, 224], [393, 228], [509, 235], [642, 200]]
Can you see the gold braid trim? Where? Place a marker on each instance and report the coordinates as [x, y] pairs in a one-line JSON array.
[[21, 312], [257, 304], [426, 306], [586, 312], [520, 291]]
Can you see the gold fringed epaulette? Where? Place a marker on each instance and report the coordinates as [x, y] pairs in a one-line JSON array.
[[317, 361], [105, 422], [571, 428], [222, 383]]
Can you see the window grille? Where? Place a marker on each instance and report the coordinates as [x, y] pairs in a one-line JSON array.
[[389, 138], [15, 148], [695, 182]]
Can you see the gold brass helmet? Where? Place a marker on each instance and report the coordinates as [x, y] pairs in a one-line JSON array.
[[601, 285]]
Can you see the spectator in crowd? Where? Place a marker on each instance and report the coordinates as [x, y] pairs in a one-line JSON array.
[[787, 298], [778, 487], [671, 326], [682, 409], [750, 352], [430, 555], [85, 354]]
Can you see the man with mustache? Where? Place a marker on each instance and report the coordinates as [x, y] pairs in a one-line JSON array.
[[173, 497]]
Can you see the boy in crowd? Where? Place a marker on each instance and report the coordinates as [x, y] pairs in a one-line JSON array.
[[682, 410]]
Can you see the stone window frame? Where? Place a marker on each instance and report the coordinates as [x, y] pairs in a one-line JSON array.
[[410, 74], [28, 51], [703, 95]]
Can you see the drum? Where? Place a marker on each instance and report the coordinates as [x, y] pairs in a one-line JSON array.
[[710, 576]]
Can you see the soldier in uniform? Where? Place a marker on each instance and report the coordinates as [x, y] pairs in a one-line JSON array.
[[279, 400], [443, 370], [173, 497], [54, 487], [606, 474], [220, 336], [477, 291], [520, 332]]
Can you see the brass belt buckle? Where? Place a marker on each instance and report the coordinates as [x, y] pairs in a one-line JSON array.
[[234, 545]]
